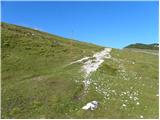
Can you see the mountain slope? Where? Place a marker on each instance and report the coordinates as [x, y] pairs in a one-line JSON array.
[[32, 64], [154, 46], [39, 81], [144, 48]]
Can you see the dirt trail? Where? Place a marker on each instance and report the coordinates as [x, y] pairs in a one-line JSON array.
[[91, 64]]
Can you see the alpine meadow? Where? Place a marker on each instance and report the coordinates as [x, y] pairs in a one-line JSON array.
[[79, 59], [39, 81]]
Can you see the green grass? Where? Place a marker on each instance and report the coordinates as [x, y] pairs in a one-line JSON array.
[[153, 46], [140, 77], [37, 81]]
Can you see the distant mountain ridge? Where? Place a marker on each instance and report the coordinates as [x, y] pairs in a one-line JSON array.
[[154, 46]]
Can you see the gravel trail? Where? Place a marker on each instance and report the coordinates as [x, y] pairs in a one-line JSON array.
[[91, 64]]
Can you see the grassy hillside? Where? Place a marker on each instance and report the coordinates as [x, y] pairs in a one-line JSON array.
[[38, 82], [153, 46]]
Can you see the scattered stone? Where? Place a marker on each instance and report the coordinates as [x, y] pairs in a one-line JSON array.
[[124, 105], [141, 116], [90, 106], [95, 83], [137, 103], [135, 98]]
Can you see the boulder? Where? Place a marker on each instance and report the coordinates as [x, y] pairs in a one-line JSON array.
[[90, 106]]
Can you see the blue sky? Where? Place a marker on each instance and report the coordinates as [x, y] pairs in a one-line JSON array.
[[113, 24]]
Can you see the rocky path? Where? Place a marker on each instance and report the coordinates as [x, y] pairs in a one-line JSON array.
[[91, 64]]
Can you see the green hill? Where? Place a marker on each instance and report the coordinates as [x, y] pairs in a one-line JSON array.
[[38, 80], [154, 46]]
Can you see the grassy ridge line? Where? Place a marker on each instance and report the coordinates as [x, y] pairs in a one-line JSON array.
[[27, 30], [154, 46]]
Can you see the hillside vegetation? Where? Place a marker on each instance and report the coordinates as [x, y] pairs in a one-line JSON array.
[[154, 46], [38, 80]]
